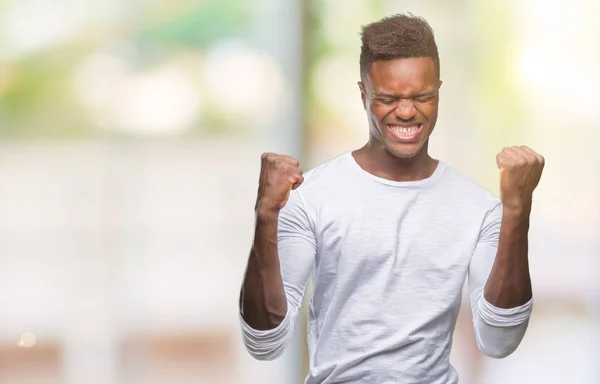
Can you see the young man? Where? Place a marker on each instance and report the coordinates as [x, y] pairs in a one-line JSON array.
[[390, 235]]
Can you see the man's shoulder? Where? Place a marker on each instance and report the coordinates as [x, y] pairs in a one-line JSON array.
[[326, 172], [464, 187]]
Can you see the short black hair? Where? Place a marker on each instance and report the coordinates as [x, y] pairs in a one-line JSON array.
[[397, 36]]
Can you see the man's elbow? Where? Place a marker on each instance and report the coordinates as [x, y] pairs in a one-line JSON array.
[[267, 345], [498, 351], [265, 354], [500, 338]]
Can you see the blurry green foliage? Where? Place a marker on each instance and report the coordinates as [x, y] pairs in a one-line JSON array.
[[36, 99], [201, 25]]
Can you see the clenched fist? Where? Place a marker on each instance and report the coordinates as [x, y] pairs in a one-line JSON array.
[[520, 172], [278, 175]]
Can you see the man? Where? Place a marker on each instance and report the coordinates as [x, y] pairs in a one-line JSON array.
[[390, 235]]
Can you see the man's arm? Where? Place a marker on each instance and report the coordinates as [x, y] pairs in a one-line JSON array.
[[280, 260], [509, 283], [263, 304], [498, 331], [500, 262]]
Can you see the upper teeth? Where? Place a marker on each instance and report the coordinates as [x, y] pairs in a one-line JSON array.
[[405, 131]]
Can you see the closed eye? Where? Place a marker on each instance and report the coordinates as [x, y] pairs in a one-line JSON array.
[[424, 99]]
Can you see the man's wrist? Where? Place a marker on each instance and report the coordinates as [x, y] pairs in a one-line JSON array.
[[517, 207], [266, 212]]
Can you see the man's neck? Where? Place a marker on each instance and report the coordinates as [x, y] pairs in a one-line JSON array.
[[377, 161]]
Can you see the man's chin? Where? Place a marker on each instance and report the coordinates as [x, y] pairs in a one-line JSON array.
[[404, 151]]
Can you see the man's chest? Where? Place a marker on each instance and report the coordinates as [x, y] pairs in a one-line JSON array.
[[414, 245]]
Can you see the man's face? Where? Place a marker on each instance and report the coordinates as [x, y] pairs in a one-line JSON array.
[[401, 100]]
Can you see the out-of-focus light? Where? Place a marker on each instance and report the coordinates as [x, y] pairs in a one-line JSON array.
[[163, 101], [97, 79], [27, 26], [333, 88], [244, 82], [27, 340], [558, 67], [32, 25], [539, 66], [160, 102], [533, 68]]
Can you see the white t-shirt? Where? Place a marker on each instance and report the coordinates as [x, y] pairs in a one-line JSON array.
[[389, 261]]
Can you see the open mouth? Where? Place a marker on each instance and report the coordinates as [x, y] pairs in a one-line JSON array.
[[405, 133]]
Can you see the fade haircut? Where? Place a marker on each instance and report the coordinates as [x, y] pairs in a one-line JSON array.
[[394, 37]]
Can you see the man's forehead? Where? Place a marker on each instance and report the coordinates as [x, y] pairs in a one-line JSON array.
[[418, 73], [403, 85], [413, 66]]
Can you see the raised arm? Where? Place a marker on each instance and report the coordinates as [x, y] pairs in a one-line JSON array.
[[280, 260], [509, 284], [499, 280]]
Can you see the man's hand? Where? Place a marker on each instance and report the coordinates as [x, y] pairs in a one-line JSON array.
[[278, 175], [520, 172]]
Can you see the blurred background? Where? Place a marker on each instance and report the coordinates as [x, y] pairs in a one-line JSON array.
[[130, 136]]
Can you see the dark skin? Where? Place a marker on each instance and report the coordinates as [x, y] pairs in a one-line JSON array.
[[263, 302], [399, 95], [509, 283]]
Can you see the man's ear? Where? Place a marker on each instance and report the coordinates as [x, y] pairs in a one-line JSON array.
[[363, 94]]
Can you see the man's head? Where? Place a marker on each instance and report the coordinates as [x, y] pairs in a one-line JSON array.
[[400, 79]]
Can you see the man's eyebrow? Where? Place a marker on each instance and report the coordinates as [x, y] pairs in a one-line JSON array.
[[426, 93], [393, 96], [385, 94]]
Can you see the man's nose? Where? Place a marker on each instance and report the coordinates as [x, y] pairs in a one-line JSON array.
[[405, 110]]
